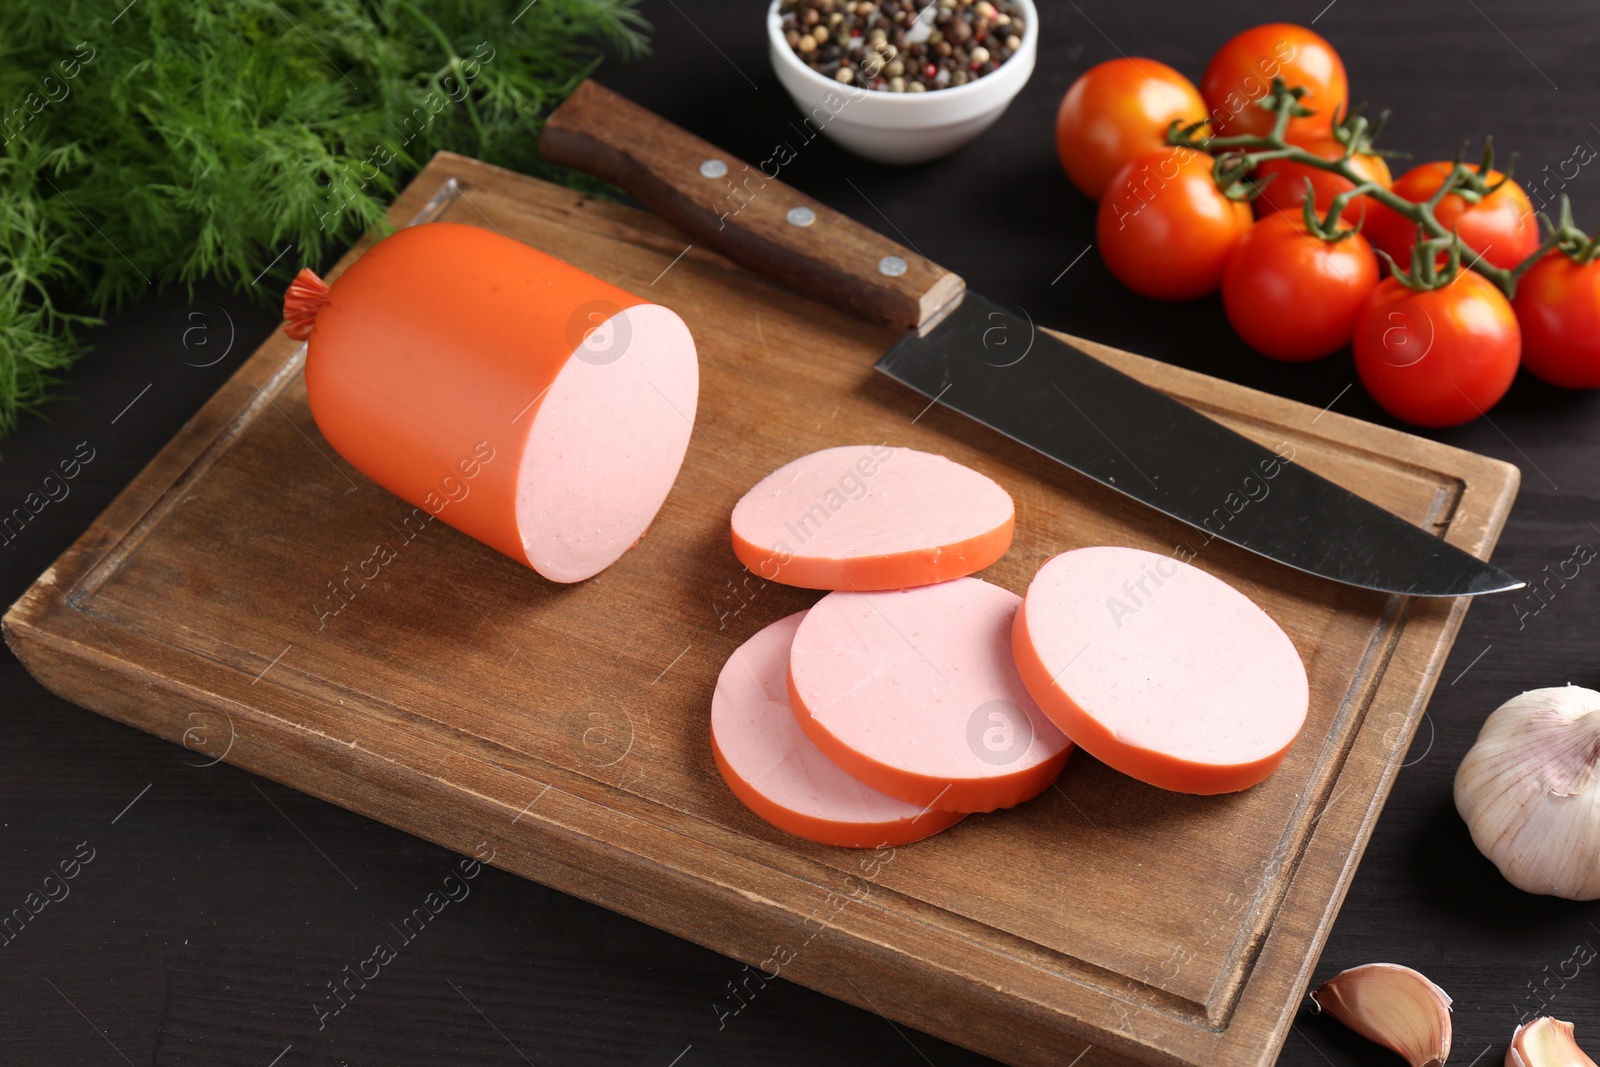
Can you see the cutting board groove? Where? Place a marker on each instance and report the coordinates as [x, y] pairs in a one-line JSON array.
[[564, 729]]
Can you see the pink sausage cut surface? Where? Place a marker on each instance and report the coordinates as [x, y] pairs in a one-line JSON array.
[[914, 692], [1160, 670], [865, 517], [780, 775], [607, 442]]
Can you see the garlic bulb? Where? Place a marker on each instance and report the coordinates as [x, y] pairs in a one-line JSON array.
[[1394, 1006], [1545, 1042], [1530, 795]]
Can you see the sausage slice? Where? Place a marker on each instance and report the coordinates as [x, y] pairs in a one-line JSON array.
[[871, 517], [914, 691], [1160, 670], [780, 775]]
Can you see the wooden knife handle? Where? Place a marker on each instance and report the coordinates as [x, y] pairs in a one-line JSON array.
[[745, 213]]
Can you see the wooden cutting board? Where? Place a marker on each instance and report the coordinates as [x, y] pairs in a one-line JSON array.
[[230, 600]]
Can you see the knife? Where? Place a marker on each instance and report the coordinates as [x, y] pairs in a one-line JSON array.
[[959, 350]]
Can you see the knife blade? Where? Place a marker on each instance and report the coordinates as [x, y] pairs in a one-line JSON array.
[[1055, 398], [992, 365]]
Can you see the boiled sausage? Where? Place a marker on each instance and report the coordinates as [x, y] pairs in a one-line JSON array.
[[1159, 669], [524, 402], [871, 517], [915, 692], [780, 775]]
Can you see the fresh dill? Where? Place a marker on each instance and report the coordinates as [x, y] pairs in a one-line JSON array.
[[172, 140]]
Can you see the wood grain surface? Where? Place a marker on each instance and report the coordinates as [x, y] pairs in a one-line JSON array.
[[220, 905], [562, 730]]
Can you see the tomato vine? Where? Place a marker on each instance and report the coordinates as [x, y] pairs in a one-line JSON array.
[[1438, 255]]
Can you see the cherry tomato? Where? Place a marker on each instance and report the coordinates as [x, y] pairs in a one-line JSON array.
[[1501, 227], [1558, 308], [1288, 187], [1242, 71], [1292, 295], [1437, 358], [1164, 228], [1117, 110]]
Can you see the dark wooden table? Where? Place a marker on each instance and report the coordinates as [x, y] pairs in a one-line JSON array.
[[217, 908]]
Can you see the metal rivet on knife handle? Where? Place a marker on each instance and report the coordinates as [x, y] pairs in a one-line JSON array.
[[801, 216], [893, 266], [741, 209]]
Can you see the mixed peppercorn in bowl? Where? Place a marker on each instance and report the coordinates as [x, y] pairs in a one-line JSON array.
[[900, 81], [902, 46]]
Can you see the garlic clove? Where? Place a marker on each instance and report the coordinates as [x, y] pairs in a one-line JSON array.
[[1394, 1006], [1546, 1042], [1529, 792]]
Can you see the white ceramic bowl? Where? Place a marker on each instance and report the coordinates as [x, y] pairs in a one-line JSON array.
[[903, 127]]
